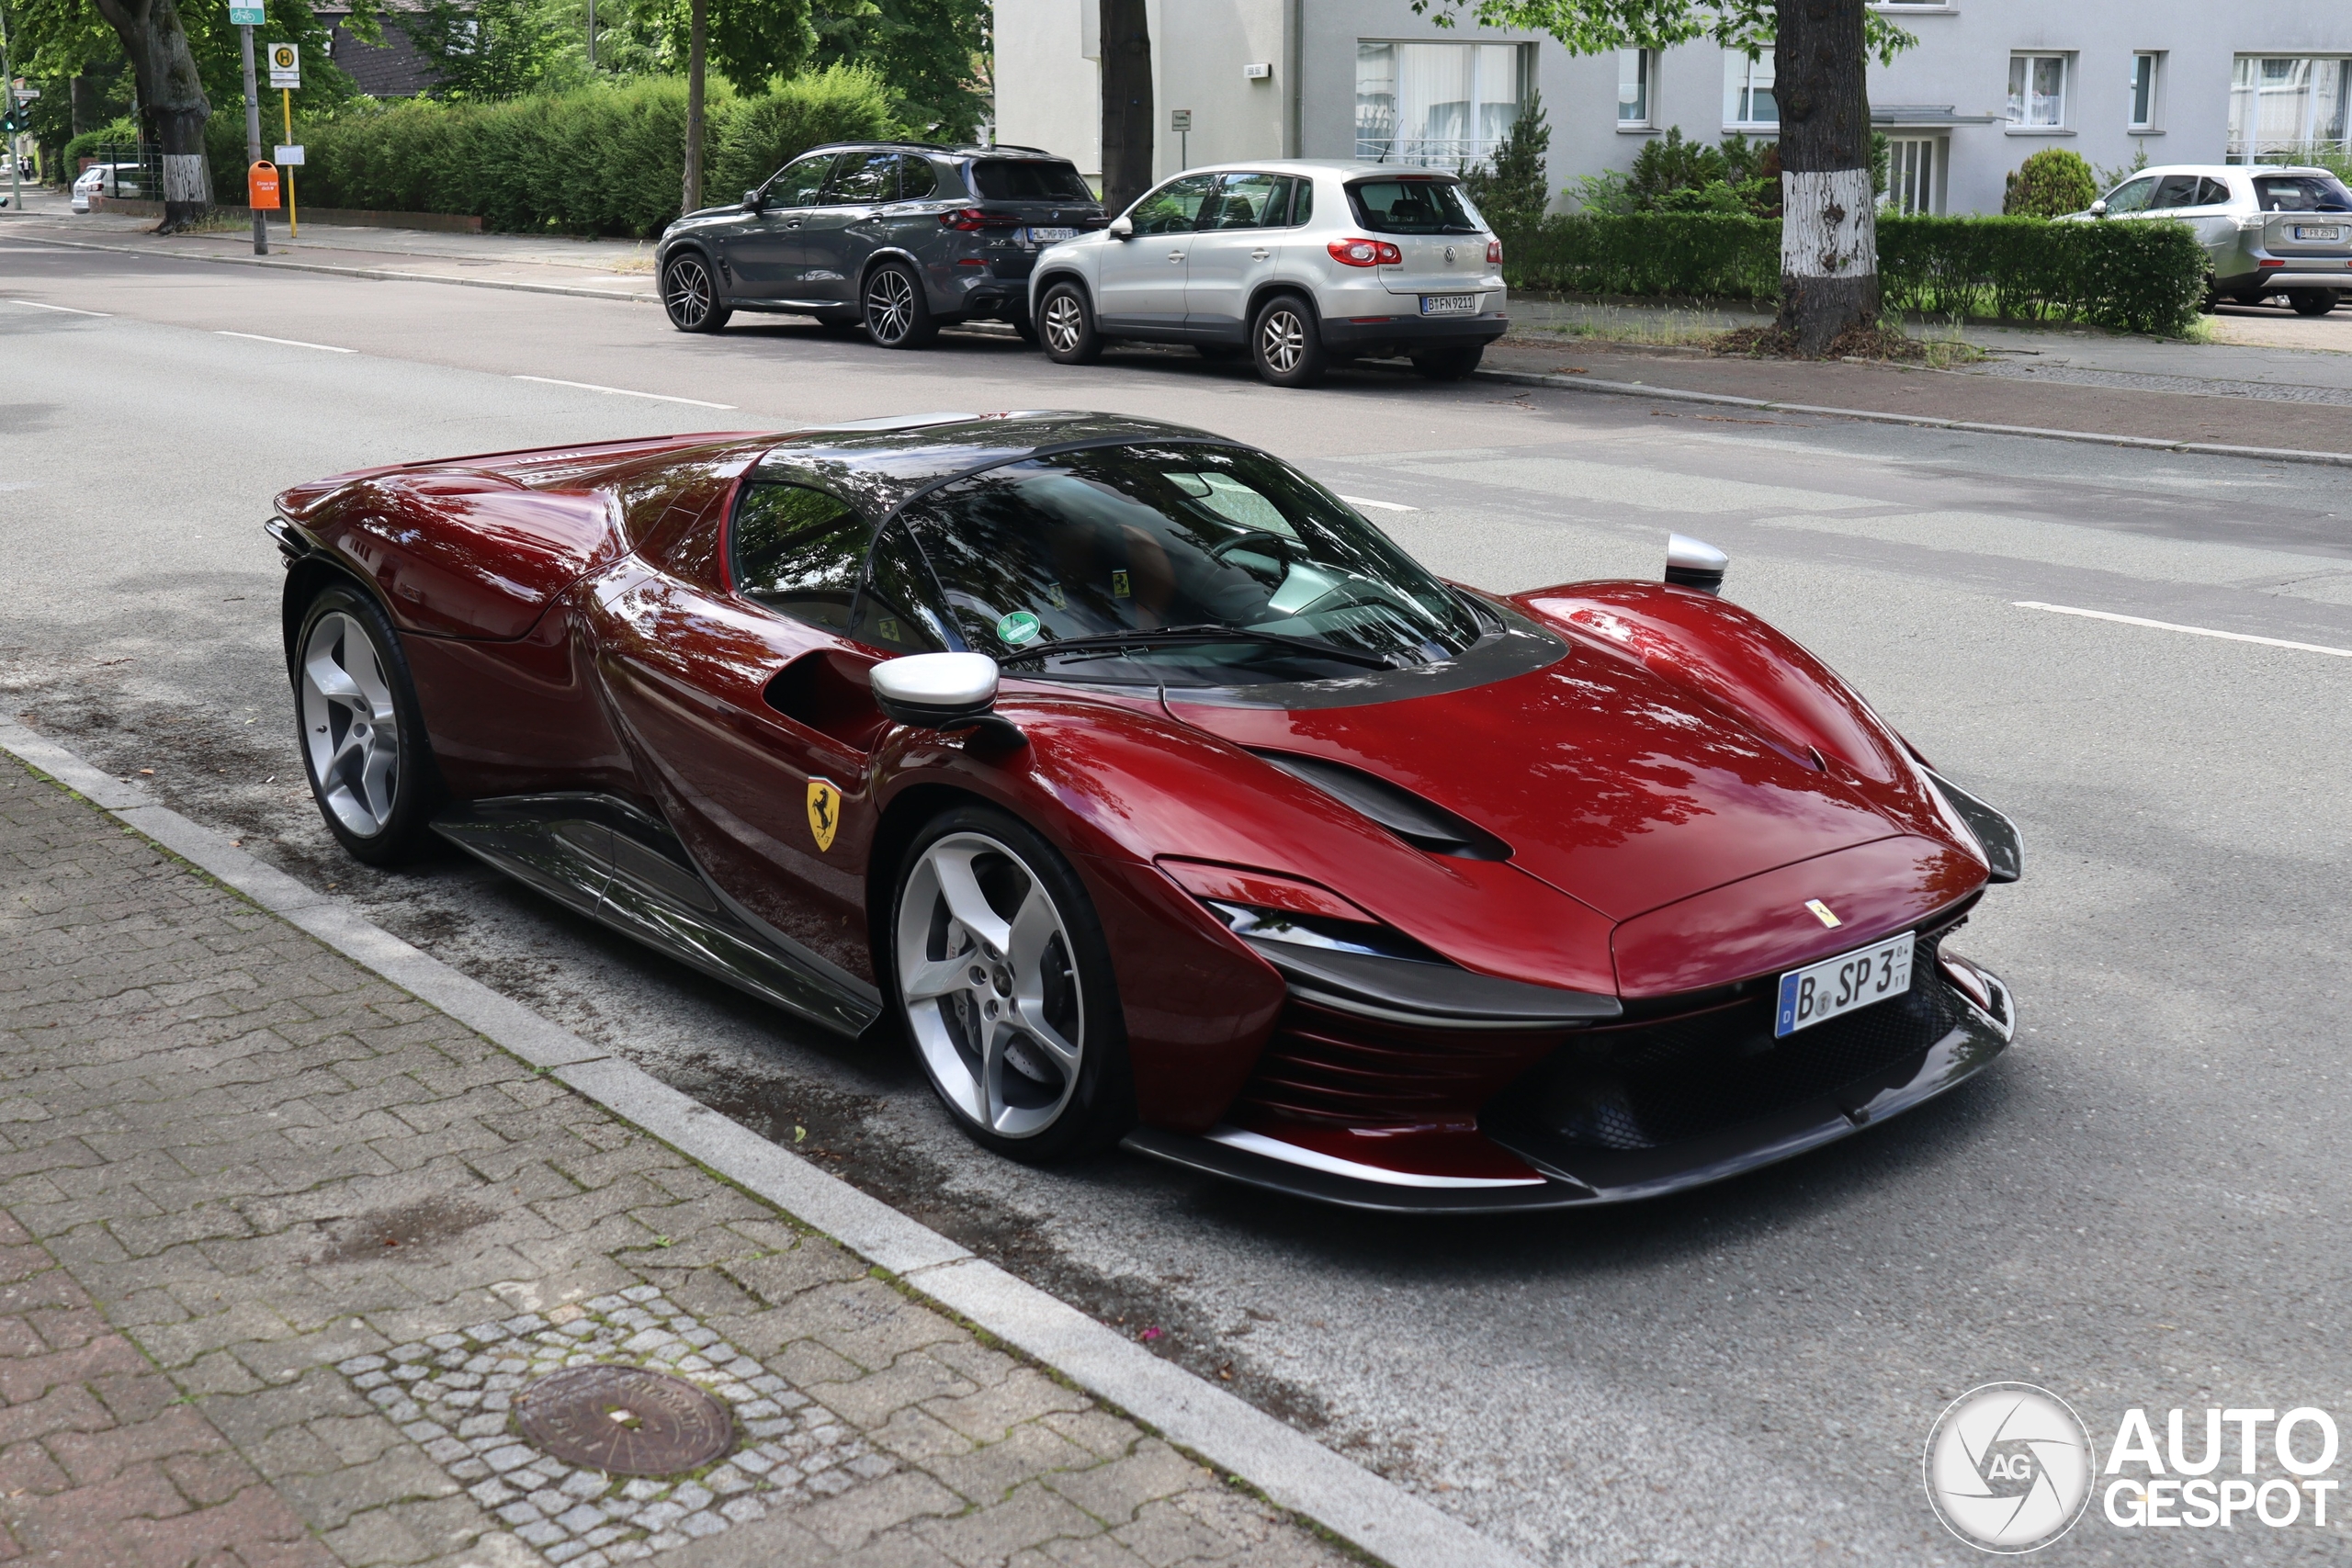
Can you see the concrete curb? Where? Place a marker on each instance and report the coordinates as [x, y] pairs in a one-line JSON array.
[[1290, 1468], [381, 275], [1674, 394]]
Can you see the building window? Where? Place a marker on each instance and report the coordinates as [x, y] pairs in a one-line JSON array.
[[1634, 86], [1437, 105], [2038, 91], [2145, 69], [1912, 165], [1747, 91], [2288, 106]]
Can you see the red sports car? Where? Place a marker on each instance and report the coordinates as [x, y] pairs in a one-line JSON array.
[[1156, 797]]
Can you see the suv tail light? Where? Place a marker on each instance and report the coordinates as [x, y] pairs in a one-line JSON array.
[[970, 218], [1494, 252], [1365, 252]]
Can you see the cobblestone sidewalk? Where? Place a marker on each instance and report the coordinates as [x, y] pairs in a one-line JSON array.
[[284, 1253]]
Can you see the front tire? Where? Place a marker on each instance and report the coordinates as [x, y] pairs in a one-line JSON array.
[[1286, 343], [1066, 324], [1003, 984], [2312, 301], [361, 734], [897, 314], [690, 294]]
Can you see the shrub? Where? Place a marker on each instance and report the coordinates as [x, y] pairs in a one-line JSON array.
[[1514, 189], [601, 160], [2051, 184], [2141, 275], [121, 136]]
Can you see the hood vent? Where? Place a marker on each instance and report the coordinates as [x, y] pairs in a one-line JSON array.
[[1420, 823]]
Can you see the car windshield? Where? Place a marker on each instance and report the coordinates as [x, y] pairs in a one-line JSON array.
[[1155, 548], [1028, 179], [1414, 204], [2301, 193]]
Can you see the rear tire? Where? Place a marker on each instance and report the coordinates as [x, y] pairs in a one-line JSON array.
[[897, 314], [1014, 1013], [2312, 301], [690, 294], [1286, 343], [1066, 324], [359, 729], [1448, 364]]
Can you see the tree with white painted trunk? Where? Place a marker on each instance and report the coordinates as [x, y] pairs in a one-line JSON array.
[[171, 92], [1820, 50]]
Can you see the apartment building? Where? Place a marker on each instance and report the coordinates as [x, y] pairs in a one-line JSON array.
[[1989, 82]]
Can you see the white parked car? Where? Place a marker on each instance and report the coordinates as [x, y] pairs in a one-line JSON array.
[[1295, 262], [2268, 231], [105, 179]]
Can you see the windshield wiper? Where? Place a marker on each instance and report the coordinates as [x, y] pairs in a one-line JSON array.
[[1112, 642]]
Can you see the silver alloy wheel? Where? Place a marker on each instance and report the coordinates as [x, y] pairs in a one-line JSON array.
[[889, 305], [990, 986], [349, 726], [688, 293], [1065, 323], [1282, 339]]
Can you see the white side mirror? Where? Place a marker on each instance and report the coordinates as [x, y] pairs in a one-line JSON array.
[[942, 692], [1694, 563], [1120, 228], [2099, 209]]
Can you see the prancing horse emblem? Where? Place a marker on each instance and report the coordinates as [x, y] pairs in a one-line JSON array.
[[825, 813], [1821, 911]]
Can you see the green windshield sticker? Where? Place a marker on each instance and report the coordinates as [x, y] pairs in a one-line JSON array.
[[1017, 628]]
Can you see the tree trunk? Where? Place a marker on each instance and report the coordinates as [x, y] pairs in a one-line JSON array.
[[697, 53], [1126, 103], [1828, 226], [173, 95]]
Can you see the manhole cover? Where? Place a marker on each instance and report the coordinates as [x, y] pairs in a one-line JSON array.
[[624, 1421]]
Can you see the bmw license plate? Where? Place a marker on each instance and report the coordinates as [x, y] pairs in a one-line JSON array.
[[1821, 992], [2318, 232], [1047, 236], [1449, 304]]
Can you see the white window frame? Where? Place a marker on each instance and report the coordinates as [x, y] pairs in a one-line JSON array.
[[1743, 77], [1915, 165], [1637, 72], [2151, 61], [2020, 108], [2246, 144], [1458, 151]]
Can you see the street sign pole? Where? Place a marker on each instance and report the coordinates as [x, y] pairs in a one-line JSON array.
[[293, 223], [8, 80], [253, 128]]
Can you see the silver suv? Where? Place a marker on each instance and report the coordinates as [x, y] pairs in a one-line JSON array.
[[1296, 263], [2268, 231]]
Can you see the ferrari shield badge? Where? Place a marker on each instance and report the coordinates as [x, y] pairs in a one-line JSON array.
[[1821, 911], [825, 813]]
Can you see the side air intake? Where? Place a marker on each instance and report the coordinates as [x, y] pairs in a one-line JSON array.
[[1420, 823]]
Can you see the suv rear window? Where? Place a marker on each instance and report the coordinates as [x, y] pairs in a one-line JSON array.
[[1414, 204], [2299, 193], [1029, 179]]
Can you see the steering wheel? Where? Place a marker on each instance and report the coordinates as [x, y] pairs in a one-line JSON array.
[[1263, 540]]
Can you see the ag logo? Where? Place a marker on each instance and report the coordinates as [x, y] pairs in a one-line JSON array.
[[2008, 1467], [825, 813]]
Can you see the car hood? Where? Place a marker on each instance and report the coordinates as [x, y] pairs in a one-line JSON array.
[[1620, 788]]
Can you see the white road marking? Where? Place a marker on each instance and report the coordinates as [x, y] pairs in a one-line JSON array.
[[2193, 631], [623, 392], [288, 341], [1378, 505], [37, 305]]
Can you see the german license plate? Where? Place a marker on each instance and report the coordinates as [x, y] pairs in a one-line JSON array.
[[1449, 304], [1048, 236], [2318, 232], [1819, 992]]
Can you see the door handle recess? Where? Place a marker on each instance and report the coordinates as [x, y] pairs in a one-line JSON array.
[[1175, 255], [1259, 255]]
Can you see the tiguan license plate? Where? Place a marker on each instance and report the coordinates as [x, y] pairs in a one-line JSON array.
[[1449, 304], [1819, 992]]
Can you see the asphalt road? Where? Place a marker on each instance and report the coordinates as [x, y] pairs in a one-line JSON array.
[[2140, 1207]]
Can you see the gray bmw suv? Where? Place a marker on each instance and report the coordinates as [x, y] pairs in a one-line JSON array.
[[900, 237]]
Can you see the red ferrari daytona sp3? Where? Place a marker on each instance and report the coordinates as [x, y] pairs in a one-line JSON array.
[[1154, 796]]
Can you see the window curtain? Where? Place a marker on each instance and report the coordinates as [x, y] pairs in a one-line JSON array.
[[1436, 105]]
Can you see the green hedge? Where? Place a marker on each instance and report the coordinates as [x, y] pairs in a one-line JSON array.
[[602, 160], [2141, 275]]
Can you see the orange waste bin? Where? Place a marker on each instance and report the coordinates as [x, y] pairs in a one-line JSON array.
[[261, 187]]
